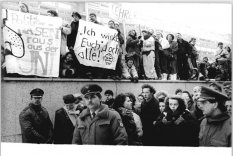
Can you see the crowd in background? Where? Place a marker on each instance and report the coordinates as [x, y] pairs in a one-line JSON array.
[[150, 56]]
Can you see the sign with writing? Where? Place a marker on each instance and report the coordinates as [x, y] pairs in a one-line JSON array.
[[96, 45], [33, 44]]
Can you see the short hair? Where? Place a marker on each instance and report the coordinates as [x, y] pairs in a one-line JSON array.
[[178, 91], [92, 14], [108, 92], [132, 98], [220, 43], [179, 33], [111, 21], [119, 101], [152, 90], [53, 12], [171, 36], [190, 96]]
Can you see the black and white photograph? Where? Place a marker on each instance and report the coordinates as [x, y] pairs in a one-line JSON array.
[[86, 76]]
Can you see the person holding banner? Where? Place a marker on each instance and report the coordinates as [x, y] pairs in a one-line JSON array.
[[65, 30]]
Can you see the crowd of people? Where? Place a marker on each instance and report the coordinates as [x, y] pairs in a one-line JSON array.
[[153, 118], [149, 56]]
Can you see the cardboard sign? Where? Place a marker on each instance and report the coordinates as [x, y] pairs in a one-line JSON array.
[[33, 44], [96, 45]]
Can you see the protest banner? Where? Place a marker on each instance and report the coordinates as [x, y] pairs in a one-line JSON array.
[[32, 44], [96, 45]]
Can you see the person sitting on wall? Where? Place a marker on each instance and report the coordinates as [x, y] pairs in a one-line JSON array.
[[68, 67], [129, 70]]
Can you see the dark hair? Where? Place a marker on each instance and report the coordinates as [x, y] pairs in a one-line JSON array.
[[111, 21], [190, 96], [92, 14], [108, 92], [220, 43], [152, 90], [171, 36], [181, 108], [228, 49], [192, 39], [132, 98], [178, 90], [53, 12], [178, 33], [119, 101]]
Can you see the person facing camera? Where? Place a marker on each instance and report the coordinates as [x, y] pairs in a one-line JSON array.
[[129, 70], [65, 120], [36, 126], [98, 125]]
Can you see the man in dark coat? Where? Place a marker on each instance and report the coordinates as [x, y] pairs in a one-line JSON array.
[[98, 125], [36, 126], [74, 30], [65, 120], [149, 113], [215, 129], [184, 50], [109, 98]]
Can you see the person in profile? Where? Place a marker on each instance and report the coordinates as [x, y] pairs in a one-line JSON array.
[[23, 7]]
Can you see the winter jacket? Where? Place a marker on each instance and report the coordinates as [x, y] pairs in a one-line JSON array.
[[105, 129], [132, 46], [182, 134], [149, 113], [36, 126], [129, 72], [66, 30], [148, 44], [63, 128], [130, 125], [216, 131]]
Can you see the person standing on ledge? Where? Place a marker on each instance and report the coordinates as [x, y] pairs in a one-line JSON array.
[[36, 126]]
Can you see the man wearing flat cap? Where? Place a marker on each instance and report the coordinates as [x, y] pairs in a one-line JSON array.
[[98, 125], [215, 129], [36, 126], [65, 120]]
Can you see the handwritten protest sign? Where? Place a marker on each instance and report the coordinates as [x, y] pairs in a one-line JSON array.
[[33, 42], [96, 45]]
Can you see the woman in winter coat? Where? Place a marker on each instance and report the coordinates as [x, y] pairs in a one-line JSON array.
[[123, 105], [179, 125]]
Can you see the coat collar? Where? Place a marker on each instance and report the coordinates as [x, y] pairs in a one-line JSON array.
[[103, 112], [219, 118]]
